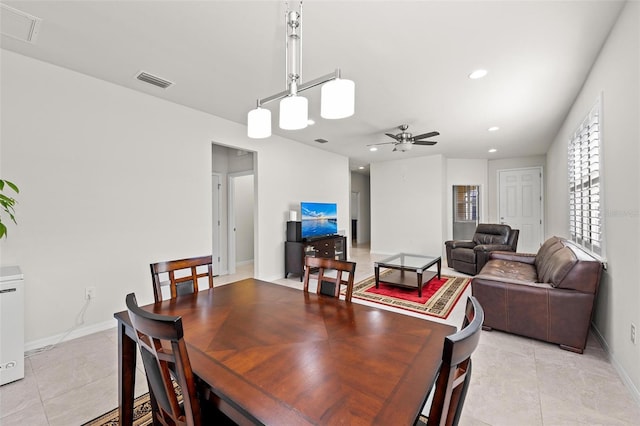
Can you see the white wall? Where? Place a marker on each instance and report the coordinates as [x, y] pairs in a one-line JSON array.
[[361, 184], [615, 75], [112, 180], [407, 205], [465, 172]]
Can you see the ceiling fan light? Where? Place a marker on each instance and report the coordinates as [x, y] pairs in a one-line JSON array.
[[403, 146], [337, 99], [259, 123], [294, 112]]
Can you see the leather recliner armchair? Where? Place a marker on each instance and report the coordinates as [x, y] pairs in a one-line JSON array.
[[470, 256]]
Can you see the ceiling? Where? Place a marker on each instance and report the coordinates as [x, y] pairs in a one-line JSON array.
[[410, 61]]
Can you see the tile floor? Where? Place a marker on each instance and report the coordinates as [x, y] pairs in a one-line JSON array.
[[515, 381]]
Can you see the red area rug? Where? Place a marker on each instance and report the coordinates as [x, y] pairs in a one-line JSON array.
[[439, 296]]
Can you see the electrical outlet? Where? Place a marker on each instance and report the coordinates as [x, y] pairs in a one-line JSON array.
[[633, 333], [90, 293]]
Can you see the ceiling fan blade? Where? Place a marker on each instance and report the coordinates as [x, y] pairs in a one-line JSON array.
[[424, 142], [391, 136], [381, 143], [426, 135]]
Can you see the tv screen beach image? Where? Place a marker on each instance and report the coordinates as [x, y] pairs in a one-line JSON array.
[[319, 219]]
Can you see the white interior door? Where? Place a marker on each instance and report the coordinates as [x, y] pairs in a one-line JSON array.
[[520, 205], [216, 189]]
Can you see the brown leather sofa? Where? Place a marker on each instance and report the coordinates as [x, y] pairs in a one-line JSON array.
[[547, 296], [470, 256]]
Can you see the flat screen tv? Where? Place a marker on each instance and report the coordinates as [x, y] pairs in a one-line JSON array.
[[318, 219]]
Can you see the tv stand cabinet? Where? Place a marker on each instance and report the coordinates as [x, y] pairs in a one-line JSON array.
[[332, 247]]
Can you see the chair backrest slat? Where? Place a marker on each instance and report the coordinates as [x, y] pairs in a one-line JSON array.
[[187, 281], [322, 265]]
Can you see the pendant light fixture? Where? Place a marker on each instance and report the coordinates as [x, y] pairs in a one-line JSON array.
[[337, 94]]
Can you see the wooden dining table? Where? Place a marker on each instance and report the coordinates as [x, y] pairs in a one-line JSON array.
[[275, 355]]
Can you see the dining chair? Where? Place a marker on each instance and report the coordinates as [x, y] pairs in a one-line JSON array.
[[455, 372], [326, 284], [183, 275], [164, 354]]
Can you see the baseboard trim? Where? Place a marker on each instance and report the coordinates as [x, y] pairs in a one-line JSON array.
[[635, 393], [66, 336]]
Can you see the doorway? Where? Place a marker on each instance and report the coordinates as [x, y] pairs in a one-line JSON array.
[[520, 205], [355, 215], [241, 215], [227, 164]]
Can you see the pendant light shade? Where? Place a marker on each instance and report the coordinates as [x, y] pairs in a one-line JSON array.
[[259, 123], [294, 112], [337, 99]]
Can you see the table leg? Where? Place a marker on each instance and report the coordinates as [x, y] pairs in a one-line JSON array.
[[126, 375], [420, 283], [439, 267], [376, 270]]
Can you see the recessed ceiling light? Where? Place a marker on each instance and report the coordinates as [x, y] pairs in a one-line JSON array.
[[310, 122], [493, 129], [493, 150], [373, 148], [361, 167], [477, 74]]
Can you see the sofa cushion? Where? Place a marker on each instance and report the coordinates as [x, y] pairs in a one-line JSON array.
[[545, 253], [559, 265], [467, 255], [544, 248], [487, 233], [509, 271], [544, 266]]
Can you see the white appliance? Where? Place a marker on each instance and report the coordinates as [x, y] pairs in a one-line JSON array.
[[11, 324]]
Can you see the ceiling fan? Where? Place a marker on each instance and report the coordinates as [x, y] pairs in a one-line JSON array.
[[404, 140]]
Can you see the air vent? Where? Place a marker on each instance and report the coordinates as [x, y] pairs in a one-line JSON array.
[[19, 25], [321, 140], [153, 79]]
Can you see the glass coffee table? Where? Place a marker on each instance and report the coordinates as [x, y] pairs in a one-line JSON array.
[[415, 264]]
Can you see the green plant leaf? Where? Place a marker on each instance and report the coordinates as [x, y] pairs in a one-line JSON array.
[[7, 200], [12, 186], [7, 204]]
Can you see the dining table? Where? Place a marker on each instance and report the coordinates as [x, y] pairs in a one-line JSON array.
[[276, 355]]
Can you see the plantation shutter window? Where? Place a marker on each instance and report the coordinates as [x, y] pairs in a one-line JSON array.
[[585, 189]]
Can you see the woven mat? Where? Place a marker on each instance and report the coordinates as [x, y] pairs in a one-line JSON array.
[[438, 303]]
